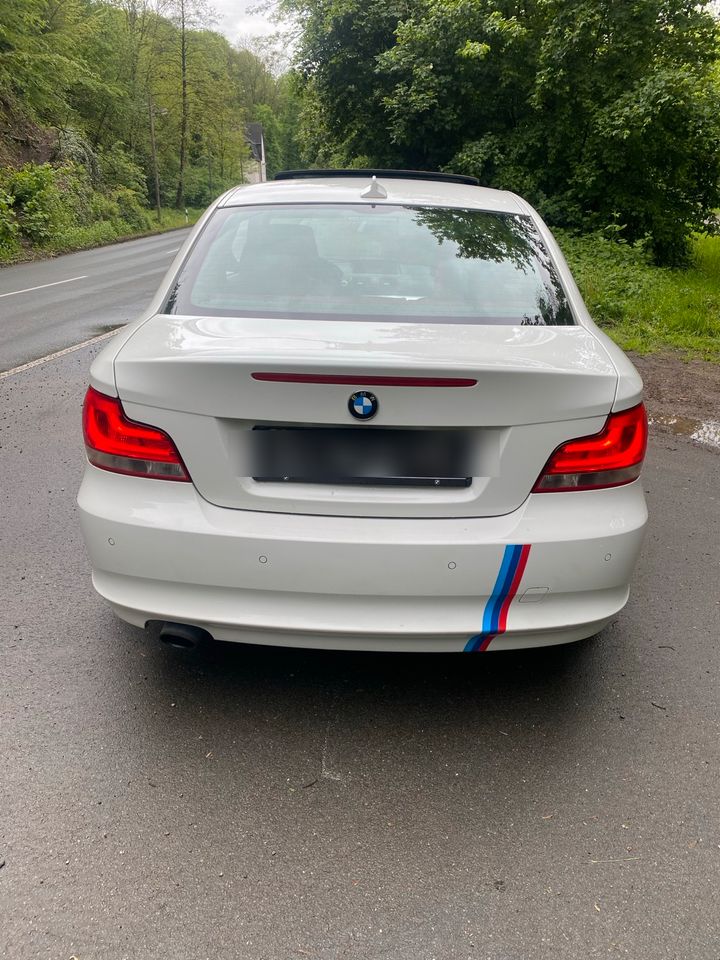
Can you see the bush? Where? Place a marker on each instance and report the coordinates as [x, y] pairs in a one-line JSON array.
[[75, 186], [116, 169], [37, 201], [51, 207], [611, 272], [74, 150], [8, 226], [197, 191], [78, 238], [130, 209], [103, 207]]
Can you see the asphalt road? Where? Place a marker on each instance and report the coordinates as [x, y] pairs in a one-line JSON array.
[[51, 304], [260, 804]]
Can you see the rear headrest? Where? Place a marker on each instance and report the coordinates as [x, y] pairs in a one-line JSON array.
[[295, 239]]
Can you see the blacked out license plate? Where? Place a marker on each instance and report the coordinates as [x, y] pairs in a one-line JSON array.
[[361, 455]]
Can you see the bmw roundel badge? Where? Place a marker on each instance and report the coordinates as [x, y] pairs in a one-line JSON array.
[[363, 405]]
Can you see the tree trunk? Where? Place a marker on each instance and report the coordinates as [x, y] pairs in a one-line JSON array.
[[153, 148], [180, 194]]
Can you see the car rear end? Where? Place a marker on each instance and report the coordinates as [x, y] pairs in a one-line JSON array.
[[378, 423]]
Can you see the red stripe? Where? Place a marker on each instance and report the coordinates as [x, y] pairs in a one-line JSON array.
[[369, 380], [486, 642], [502, 621]]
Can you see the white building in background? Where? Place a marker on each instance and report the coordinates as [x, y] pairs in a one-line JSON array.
[[254, 169]]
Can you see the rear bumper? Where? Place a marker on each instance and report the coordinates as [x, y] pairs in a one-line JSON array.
[[161, 552]]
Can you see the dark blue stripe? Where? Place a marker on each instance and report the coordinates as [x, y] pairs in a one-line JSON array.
[[510, 563], [473, 643]]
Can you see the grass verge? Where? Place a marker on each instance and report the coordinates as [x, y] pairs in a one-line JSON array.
[[101, 233], [647, 308]]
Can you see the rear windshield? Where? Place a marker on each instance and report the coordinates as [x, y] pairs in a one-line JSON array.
[[365, 262]]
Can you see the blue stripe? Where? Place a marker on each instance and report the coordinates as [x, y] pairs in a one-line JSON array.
[[511, 558], [491, 613]]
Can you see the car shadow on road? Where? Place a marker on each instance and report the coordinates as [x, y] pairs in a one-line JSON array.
[[266, 725], [548, 683]]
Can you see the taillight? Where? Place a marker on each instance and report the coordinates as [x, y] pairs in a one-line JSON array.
[[113, 442], [607, 459]]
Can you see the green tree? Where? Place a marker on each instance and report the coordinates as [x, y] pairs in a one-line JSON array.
[[601, 112], [344, 118], [128, 100]]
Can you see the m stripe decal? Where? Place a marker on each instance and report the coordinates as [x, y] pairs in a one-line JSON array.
[[506, 586]]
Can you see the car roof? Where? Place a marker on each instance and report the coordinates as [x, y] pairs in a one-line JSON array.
[[348, 189]]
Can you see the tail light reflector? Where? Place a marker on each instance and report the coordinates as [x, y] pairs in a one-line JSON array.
[[607, 459], [115, 443]]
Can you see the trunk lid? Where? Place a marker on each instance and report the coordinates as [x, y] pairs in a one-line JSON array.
[[534, 388]]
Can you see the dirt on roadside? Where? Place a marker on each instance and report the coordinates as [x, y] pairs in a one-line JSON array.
[[677, 387]]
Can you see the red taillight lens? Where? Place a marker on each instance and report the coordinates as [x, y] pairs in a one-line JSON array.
[[123, 446], [607, 459]]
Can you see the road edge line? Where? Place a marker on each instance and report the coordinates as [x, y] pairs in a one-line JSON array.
[[59, 353]]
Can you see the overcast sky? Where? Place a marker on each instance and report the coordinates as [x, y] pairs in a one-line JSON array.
[[236, 22]]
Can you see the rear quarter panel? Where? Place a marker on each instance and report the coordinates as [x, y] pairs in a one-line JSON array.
[[630, 386]]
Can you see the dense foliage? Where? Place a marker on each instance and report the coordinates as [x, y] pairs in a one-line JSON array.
[[600, 111], [111, 107], [644, 307], [60, 208]]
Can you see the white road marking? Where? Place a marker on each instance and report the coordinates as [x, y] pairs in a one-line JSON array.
[[59, 353], [43, 285]]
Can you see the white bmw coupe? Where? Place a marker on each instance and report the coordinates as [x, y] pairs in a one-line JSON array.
[[365, 410]]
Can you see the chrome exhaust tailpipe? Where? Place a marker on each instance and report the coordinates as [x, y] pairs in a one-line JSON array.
[[183, 636]]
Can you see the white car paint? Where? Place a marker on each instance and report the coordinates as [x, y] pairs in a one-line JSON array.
[[378, 568]]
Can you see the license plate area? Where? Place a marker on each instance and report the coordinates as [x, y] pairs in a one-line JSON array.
[[363, 456]]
